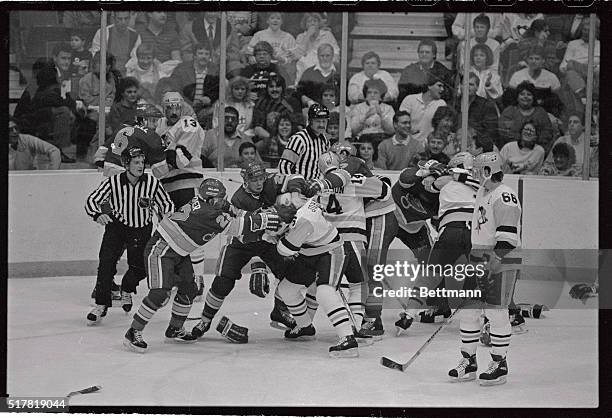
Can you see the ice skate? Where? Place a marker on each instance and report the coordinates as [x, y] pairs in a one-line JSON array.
[[96, 314], [518, 323], [301, 334], [346, 347], [126, 301], [179, 335], [496, 373], [466, 370], [133, 341], [372, 327], [280, 318], [201, 327], [403, 323]]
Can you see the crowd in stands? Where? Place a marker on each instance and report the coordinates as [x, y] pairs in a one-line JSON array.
[[527, 86]]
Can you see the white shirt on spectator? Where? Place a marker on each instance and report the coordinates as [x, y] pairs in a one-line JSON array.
[[514, 25], [491, 43], [531, 159], [309, 57], [546, 79], [578, 51], [458, 27], [355, 88], [421, 114], [281, 41], [578, 146], [495, 89]]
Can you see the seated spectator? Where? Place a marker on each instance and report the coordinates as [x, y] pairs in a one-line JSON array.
[[165, 39], [259, 72], [232, 138], [422, 107], [480, 36], [443, 122], [561, 162], [62, 57], [397, 152], [482, 112], [315, 34], [537, 35], [333, 127], [123, 111], [514, 117], [523, 156], [565, 27], [25, 149], [370, 62], [270, 106], [414, 77], [575, 139], [282, 43], [52, 115], [514, 26], [490, 86], [238, 96], [329, 98], [574, 63], [199, 83], [324, 73], [535, 73], [494, 23], [206, 30], [79, 19], [368, 153], [237, 42], [80, 56], [122, 41], [147, 70], [481, 143], [248, 154], [24, 106], [274, 146], [372, 116], [89, 84]]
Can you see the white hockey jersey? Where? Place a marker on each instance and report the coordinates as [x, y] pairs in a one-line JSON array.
[[309, 233], [496, 217], [457, 200]]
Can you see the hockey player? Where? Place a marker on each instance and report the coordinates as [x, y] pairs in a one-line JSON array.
[[457, 192], [495, 233], [258, 192], [319, 258], [167, 258]]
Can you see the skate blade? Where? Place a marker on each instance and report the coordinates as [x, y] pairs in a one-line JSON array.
[[278, 325], [366, 342], [175, 341], [519, 330], [302, 338], [93, 323], [499, 381], [127, 344], [350, 353], [465, 378]]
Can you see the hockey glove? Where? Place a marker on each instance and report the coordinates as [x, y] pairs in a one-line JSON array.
[[234, 333], [582, 291], [259, 284], [270, 221], [182, 156]]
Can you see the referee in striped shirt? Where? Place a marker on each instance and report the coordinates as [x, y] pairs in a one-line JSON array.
[[124, 204], [306, 146]]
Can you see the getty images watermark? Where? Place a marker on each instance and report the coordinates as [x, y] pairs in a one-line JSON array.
[[412, 271]]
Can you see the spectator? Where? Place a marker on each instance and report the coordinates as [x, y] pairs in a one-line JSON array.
[[89, 84], [443, 122], [514, 26], [490, 85], [122, 41], [270, 106], [166, 41], [535, 73], [514, 117], [238, 96], [308, 42], [199, 83], [414, 77], [123, 111], [537, 35], [370, 62], [372, 116], [565, 27], [25, 149], [24, 106], [481, 143], [52, 118], [232, 141], [322, 74], [494, 23], [237, 43], [329, 97], [523, 156], [368, 153], [80, 56], [248, 154], [575, 139], [62, 57], [147, 70], [561, 162], [259, 72], [482, 31], [282, 43], [397, 152], [482, 112], [422, 107], [574, 63], [206, 29], [273, 147], [333, 127], [79, 19]]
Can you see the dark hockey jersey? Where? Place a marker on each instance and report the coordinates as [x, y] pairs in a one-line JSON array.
[[413, 202]]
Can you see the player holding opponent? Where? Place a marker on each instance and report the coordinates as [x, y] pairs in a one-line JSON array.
[[168, 263], [495, 233]]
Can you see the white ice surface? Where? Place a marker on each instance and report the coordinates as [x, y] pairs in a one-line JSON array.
[[51, 352]]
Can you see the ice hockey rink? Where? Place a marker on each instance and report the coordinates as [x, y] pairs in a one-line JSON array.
[[52, 352]]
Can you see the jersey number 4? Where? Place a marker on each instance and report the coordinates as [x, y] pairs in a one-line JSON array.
[[509, 197], [333, 205]]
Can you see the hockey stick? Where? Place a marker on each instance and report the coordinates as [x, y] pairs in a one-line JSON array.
[[347, 306], [387, 362]]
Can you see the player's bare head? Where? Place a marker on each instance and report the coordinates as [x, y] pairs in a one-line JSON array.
[[172, 103], [254, 176], [488, 166], [287, 205], [213, 192], [328, 161]]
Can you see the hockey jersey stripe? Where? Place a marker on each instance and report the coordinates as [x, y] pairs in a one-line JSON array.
[[506, 228], [176, 238]]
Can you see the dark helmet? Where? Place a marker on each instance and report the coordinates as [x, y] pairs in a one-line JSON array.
[[147, 115], [211, 188], [253, 170], [128, 154], [318, 111]]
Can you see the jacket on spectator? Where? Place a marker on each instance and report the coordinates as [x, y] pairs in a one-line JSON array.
[[313, 80], [231, 156], [355, 87], [47, 104], [396, 155], [28, 148], [184, 78], [267, 111], [414, 78], [121, 113], [482, 117], [89, 89], [134, 41], [512, 120]]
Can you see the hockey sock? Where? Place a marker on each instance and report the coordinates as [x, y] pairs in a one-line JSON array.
[[311, 301], [500, 330], [469, 329], [150, 304], [181, 305], [296, 303], [373, 304], [212, 305], [335, 310], [355, 303]]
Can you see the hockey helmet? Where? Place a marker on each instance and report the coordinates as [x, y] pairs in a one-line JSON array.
[[328, 161], [253, 170], [318, 111], [343, 149], [287, 204], [485, 165], [211, 188], [147, 115], [172, 98], [129, 153], [462, 160]]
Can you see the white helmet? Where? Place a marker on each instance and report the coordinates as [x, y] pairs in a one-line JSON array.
[[328, 161], [485, 165], [462, 160]]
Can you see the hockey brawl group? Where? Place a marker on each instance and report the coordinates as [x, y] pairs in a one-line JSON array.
[[309, 231]]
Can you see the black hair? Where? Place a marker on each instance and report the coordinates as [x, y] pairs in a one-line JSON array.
[[441, 113], [484, 142], [246, 145], [483, 19], [399, 114], [61, 47]]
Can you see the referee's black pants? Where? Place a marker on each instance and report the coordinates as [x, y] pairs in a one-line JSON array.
[[116, 237]]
